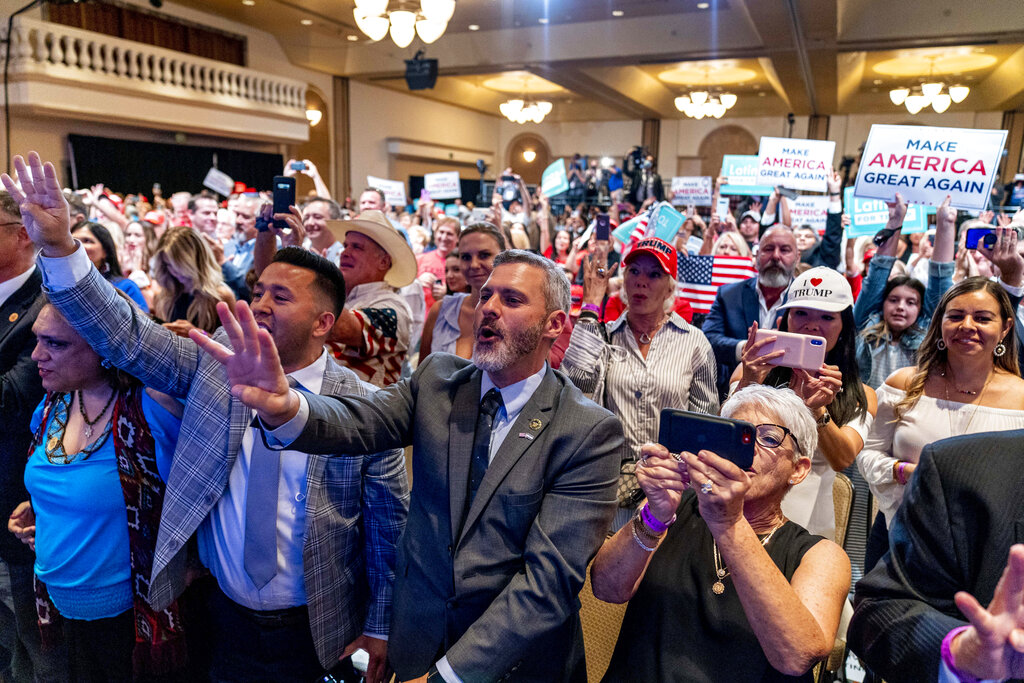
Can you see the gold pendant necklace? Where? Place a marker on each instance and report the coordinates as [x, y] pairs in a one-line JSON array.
[[720, 570], [977, 406]]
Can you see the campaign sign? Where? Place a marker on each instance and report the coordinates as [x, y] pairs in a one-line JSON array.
[[219, 181], [691, 190], [740, 171], [666, 221], [443, 185], [796, 164], [554, 180], [452, 210], [394, 190], [809, 210], [924, 164], [868, 216]]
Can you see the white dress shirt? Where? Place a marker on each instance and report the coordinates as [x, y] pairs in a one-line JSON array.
[[9, 287]]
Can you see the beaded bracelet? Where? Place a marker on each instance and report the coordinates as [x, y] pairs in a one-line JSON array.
[[636, 537]]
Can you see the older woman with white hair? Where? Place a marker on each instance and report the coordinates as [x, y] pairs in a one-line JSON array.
[[648, 359], [720, 585]]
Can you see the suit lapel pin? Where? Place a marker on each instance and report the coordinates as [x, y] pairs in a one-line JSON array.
[[524, 435], [12, 317], [535, 424]]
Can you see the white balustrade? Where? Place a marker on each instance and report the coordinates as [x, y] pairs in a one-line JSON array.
[[40, 47]]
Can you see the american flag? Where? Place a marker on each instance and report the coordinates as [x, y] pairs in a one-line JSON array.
[[701, 276]]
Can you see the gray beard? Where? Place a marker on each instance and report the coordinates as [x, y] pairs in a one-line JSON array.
[[507, 350], [774, 276]]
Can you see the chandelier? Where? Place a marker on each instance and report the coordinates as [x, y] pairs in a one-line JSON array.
[[920, 96], [521, 111], [373, 18], [701, 103]]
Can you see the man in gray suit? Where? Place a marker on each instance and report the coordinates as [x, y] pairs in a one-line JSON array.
[[303, 551], [506, 513]]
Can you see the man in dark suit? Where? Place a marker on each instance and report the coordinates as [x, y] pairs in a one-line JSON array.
[[20, 393], [961, 515], [757, 299], [505, 514]]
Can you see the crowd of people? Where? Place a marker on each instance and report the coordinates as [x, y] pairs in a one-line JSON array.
[[208, 409]]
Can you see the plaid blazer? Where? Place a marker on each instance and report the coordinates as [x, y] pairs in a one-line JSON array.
[[356, 505]]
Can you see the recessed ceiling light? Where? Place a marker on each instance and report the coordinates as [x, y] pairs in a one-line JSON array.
[[543, 20], [248, 3], [617, 13], [878, 81], [702, 5], [352, 38], [306, 22], [761, 94], [474, 27]]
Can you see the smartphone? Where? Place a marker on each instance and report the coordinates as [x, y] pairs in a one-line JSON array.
[[984, 236], [788, 193], [602, 227], [284, 198], [803, 351], [681, 430], [298, 165]]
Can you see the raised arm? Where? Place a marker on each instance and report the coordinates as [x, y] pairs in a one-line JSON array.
[[870, 300]]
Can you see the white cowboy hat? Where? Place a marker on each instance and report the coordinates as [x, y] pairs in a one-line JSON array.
[[378, 228]]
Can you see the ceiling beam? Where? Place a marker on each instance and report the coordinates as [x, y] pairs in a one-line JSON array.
[[595, 89]]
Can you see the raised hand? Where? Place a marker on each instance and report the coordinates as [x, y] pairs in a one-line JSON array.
[[722, 507], [254, 368], [993, 645], [897, 211], [663, 478], [945, 215], [44, 210], [755, 363], [819, 391], [1005, 256], [295, 234]]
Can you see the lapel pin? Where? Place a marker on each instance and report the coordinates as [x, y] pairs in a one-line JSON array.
[[524, 435], [535, 424], [12, 317]]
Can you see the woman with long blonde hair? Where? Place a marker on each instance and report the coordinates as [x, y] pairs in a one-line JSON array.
[[191, 283]]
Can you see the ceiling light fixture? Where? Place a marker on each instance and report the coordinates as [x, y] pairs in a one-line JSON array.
[[404, 23], [529, 155], [248, 3], [706, 103], [352, 37], [617, 13], [929, 92], [523, 111], [474, 27], [702, 5], [306, 22], [314, 116], [543, 20]]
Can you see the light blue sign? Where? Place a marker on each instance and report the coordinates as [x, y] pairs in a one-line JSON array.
[[868, 216], [554, 180], [667, 222], [741, 173], [451, 210]]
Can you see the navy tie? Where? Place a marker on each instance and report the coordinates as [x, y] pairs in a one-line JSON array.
[[489, 407]]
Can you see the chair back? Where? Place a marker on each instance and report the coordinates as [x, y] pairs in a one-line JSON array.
[[601, 622], [842, 498]]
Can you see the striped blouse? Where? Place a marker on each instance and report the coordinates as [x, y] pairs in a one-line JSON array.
[[679, 372]]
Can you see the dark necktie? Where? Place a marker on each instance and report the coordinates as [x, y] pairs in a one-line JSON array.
[[259, 554], [489, 407]]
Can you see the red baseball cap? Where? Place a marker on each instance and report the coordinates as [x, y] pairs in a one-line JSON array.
[[659, 249]]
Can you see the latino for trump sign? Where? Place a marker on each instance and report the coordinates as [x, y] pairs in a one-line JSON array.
[[924, 164], [796, 164]]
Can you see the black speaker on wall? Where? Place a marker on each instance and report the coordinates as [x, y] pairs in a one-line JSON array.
[[420, 73]]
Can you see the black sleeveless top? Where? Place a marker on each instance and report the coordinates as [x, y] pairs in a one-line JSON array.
[[677, 629]]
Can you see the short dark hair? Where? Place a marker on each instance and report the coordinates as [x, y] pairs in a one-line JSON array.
[[327, 278], [8, 205], [557, 291], [200, 197], [112, 267], [379, 191], [333, 208]]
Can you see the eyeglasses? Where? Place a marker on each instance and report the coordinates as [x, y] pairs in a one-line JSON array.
[[772, 436]]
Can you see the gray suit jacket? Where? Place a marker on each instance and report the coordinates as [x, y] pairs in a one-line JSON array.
[[355, 505], [495, 589]]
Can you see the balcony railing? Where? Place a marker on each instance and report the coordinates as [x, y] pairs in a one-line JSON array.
[[54, 53]]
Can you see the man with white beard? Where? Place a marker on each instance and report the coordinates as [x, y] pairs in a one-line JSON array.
[[738, 305]]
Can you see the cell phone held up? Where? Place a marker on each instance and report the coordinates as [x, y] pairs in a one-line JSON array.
[[681, 430], [602, 227], [284, 198], [803, 351], [298, 165]]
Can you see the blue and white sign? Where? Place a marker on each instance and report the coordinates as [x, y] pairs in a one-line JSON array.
[[740, 172], [868, 216]]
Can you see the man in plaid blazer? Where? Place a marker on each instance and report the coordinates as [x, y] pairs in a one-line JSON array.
[[335, 549]]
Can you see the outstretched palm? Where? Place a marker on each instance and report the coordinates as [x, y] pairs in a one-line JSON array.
[[44, 210], [253, 366]]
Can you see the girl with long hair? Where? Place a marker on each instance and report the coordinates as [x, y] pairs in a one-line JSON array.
[[190, 280]]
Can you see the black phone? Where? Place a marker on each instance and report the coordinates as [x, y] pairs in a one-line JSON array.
[[682, 430], [602, 227], [788, 193], [284, 198]]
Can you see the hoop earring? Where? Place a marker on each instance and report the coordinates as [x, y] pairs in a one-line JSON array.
[[940, 345], [999, 350]]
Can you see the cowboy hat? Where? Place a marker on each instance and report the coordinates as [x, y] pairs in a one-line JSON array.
[[377, 227]]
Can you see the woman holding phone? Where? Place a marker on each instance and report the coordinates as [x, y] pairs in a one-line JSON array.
[[819, 303], [720, 585]]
